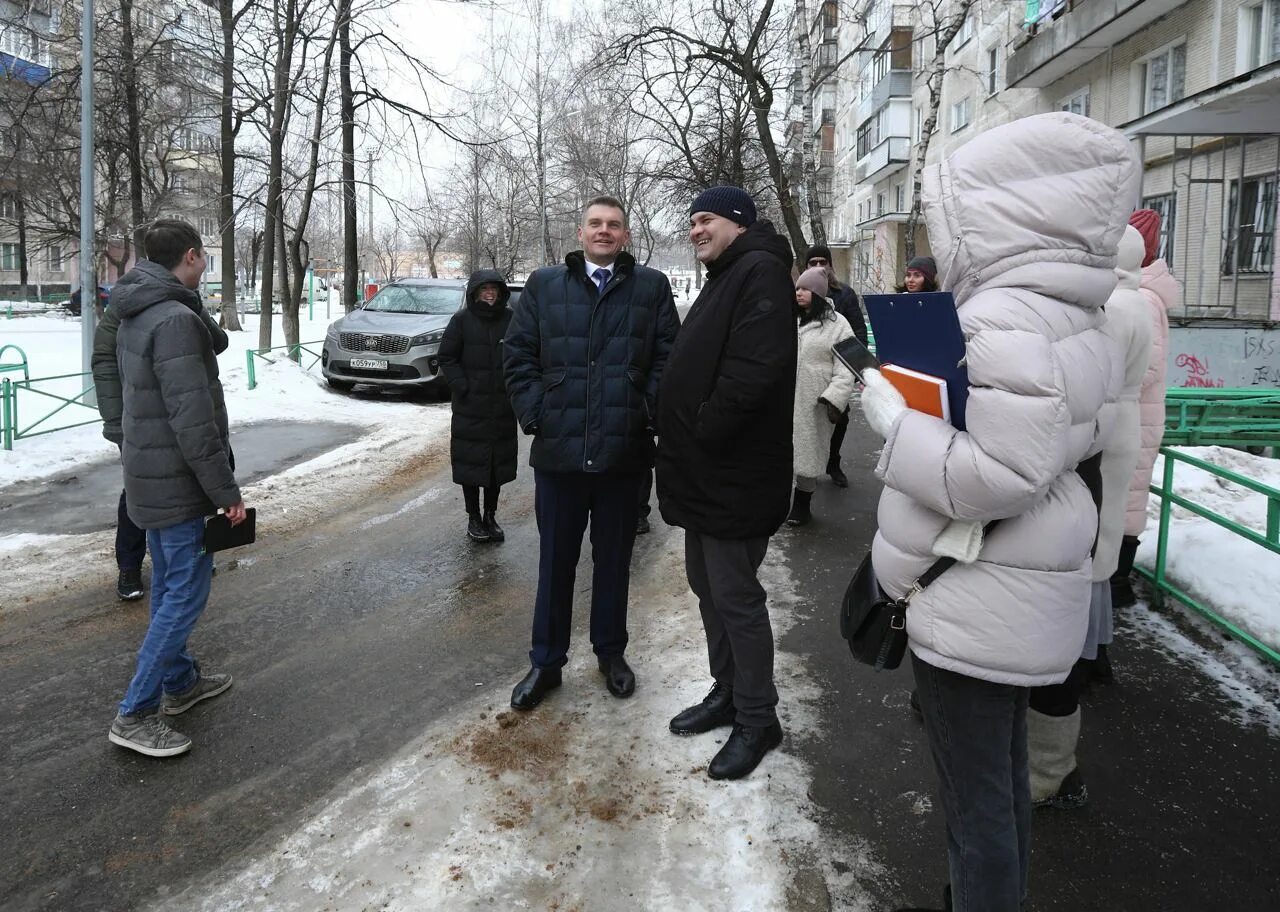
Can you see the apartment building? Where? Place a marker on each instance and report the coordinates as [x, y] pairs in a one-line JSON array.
[[39, 192], [1194, 83]]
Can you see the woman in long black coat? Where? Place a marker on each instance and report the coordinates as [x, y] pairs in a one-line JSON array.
[[482, 438]]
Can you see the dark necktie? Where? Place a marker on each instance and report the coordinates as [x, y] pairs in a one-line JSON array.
[[601, 277]]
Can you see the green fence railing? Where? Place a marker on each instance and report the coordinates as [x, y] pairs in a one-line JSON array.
[[294, 351], [1159, 578], [11, 428], [1222, 417]]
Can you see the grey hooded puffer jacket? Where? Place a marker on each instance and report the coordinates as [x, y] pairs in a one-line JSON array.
[[1024, 222], [176, 443]]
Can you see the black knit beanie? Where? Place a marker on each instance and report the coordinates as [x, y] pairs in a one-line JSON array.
[[819, 250], [732, 203]]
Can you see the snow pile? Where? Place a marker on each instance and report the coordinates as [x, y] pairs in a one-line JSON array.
[[1238, 578], [587, 802]]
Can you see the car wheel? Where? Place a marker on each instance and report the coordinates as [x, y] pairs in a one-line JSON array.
[[343, 385]]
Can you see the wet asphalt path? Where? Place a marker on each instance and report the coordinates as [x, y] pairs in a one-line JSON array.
[[350, 637]]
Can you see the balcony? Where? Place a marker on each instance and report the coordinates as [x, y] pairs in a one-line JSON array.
[[1066, 36], [894, 84], [886, 19], [891, 155]]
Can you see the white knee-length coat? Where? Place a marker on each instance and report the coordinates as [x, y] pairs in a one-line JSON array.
[[819, 375]]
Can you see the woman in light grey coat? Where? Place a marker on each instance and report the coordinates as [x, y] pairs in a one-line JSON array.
[[1024, 221]]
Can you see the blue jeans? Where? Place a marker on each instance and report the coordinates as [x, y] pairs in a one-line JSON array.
[[978, 736], [181, 574]]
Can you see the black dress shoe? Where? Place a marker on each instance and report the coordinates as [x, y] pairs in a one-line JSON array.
[[642, 525], [495, 531], [744, 750], [838, 477], [618, 676], [715, 711], [477, 531], [534, 686]]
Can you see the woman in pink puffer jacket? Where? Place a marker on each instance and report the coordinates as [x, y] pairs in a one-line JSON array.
[[1161, 291]]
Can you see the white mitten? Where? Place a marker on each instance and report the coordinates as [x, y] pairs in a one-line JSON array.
[[960, 540], [881, 402]]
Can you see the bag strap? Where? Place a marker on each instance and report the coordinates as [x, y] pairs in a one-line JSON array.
[[940, 566]]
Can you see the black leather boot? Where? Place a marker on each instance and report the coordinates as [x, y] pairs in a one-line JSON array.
[[838, 477], [744, 750], [534, 686], [477, 531], [495, 531], [800, 514], [715, 711]]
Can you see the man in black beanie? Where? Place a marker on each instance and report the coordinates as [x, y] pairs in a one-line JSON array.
[[724, 461], [845, 302]]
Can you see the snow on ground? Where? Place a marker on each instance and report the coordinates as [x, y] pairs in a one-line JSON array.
[[387, 433], [587, 802], [1236, 577]]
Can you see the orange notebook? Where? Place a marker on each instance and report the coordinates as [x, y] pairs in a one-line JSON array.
[[923, 392]]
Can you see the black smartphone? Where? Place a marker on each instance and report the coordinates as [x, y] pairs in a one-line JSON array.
[[219, 534], [855, 356]]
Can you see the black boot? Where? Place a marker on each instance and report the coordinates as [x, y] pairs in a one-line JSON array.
[[744, 750], [715, 711], [477, 531], [129, 585], [1101, 671], [495, 531], [800, 514], [1122, 595], [838, 477]]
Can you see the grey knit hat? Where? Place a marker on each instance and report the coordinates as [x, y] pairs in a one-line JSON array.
[[815, 280], [732, 203]]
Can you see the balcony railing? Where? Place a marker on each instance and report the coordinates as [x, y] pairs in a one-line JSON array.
[[894, 84], [892, 154], [1065, 36]]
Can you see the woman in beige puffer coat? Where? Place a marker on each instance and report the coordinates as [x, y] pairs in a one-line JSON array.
[[1024, 221]]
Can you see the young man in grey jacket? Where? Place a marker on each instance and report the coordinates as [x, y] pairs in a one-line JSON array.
[[177, 472]]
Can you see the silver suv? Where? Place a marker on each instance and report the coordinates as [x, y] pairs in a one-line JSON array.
[[394, 338]]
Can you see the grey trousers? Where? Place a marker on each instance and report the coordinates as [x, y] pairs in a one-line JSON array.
[[978, 736], [722, 574]]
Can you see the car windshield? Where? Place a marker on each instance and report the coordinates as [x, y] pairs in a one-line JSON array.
[[416, 299]]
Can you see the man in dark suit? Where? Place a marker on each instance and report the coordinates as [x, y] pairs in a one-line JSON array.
[[584, 354]]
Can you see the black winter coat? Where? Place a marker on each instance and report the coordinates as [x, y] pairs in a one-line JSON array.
[[583, 369], [846, 304], [725, 406], [482, 436]]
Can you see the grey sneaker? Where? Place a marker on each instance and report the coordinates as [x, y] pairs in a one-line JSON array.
[[206, 686], [148, 735]]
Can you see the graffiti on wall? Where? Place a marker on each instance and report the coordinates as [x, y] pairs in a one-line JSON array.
[[1212, 357]]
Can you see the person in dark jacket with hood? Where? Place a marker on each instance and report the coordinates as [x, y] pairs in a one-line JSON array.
[[584, 354], [845, 302], [482, 436], [920, 275], [724, 463], [131, 542], [177, 472]]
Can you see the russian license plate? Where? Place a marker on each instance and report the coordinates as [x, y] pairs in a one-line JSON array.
[[369, 364]]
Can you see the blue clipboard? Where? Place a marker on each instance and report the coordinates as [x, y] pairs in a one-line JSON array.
[[922, 332]]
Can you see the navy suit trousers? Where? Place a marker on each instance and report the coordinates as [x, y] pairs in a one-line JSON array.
[[564, 504]]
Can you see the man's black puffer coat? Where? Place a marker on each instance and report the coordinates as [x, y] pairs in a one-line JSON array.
[[482, 438], [583, 370], [176, 452], [724, 410]]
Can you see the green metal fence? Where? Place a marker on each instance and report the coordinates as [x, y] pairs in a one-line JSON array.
[[1168, 500], [295, 353], [1222, 417], [12, 391]]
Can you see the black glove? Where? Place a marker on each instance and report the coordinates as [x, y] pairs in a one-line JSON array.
[[833, 413]]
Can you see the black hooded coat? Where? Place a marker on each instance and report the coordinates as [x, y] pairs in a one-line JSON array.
[[725, 404], [482, 436]]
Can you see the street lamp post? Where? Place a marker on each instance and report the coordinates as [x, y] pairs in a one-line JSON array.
[[88, 280]]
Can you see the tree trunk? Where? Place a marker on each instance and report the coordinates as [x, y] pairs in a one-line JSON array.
[[761, 103], [808, 166], [133, 127], [272, 230], [20, 210], [230, 311], [350, 229], [255, 250]]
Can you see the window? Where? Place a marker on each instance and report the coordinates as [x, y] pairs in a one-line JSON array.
[[1163, 204], [960, 114], [899, 198], [1258, 35], [55, 259], [1249, 244], [211, 263], [8, 256], [993, 70], [966, 32], [917, 125], [880, 204], [880, 66], [1162, 78], [9, 207], [1077, 103]]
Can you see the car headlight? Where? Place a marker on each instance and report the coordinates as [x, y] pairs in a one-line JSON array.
[[428, 338], [332, 331]]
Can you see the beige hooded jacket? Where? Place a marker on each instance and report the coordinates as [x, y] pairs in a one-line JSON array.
[[1024, 221]]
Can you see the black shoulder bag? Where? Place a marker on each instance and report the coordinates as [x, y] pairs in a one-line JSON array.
[[875, 625]]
